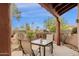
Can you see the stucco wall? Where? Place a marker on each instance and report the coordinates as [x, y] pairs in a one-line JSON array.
[[72, 39]]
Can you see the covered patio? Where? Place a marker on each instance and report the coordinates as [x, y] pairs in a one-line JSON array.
[[57, 10]]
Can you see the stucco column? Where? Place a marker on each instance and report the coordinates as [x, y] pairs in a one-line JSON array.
[[78, 25], [58, 31], [78, 34]]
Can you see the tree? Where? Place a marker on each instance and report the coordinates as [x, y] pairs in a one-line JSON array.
[[22, 27], [64, 25], [50, 24], [28, 28], [16, 12], [30, 33]]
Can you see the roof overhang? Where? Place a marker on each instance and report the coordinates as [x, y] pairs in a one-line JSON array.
[[60, 8]]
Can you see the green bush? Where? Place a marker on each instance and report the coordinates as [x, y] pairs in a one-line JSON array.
[[74, 30], [30, 34]]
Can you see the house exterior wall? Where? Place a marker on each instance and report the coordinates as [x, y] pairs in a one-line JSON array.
[[4, 29]]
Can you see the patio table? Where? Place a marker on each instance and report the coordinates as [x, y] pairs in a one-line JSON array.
[[43, 43]]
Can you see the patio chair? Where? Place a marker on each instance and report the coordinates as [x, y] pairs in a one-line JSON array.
[[25, 44], [14, 43], [50, 37]]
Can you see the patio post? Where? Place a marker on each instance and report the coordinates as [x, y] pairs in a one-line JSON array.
[[78, 25], [57, 31]]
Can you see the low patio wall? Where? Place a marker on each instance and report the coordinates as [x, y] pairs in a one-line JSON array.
[[72, 39]]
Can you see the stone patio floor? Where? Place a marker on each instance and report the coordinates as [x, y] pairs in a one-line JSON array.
[[57, 51], [64, 51]]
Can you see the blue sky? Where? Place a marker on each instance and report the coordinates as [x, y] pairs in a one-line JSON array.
[[34, 13], [70, 16]]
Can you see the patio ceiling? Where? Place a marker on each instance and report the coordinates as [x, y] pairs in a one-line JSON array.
[[60, 8]]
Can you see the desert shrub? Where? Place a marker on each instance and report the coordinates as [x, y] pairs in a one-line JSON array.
[[74, 30], [30, 34]]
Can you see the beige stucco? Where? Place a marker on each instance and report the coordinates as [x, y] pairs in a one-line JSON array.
[[72, 39], [78, 34]]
